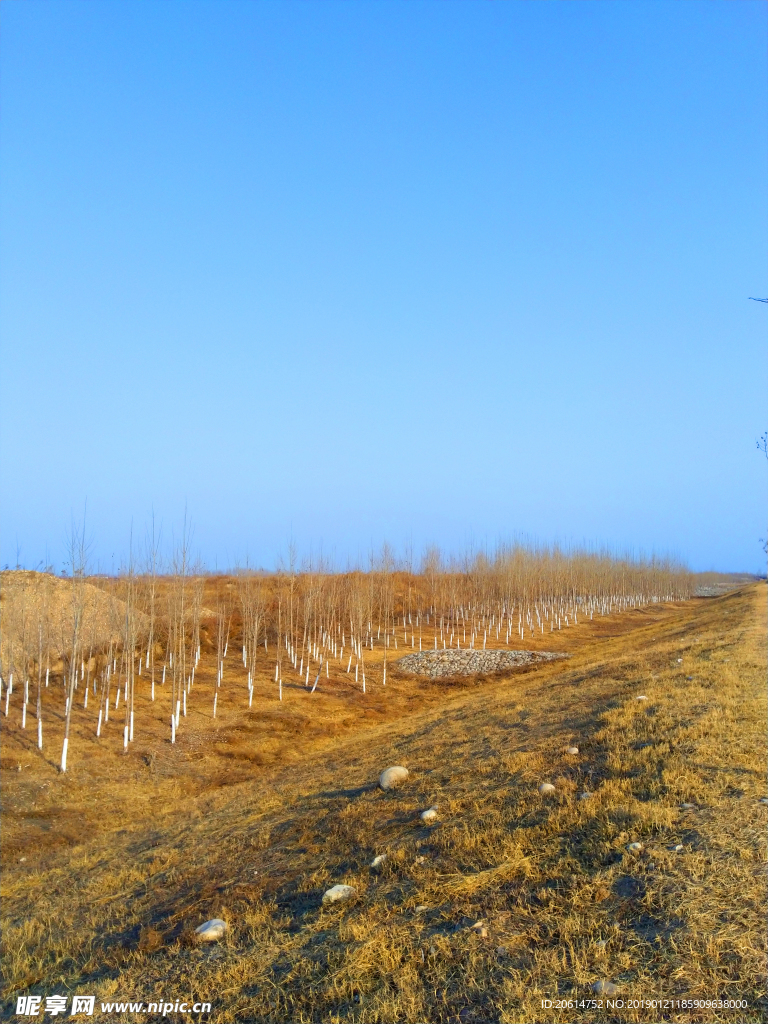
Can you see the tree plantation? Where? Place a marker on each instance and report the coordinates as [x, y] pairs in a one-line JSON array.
[[157, 640]]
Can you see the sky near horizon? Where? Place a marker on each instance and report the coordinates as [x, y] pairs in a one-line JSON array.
[[446, 273]]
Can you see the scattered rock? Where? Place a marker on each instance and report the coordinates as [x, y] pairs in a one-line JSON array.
[[677, 848], [572, 750], [641, 697], [585, 796], [378, 861], [605, 988], [390, 778], [479, 929], [212, 930], [420, 909], [420, 860], [687, 807], [635, 847], [469, 662], [338, 892], [764, 799], [429, 815], [546, 789]]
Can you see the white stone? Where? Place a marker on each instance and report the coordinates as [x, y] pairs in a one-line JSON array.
[[390, 778], [338, 892], [635, 847], [546, 789], [585, 796], [764, 799], [212, 930], [687, 807], [641, 697], [676, 849], [429, 815], [378, 861], [605, 988], [572, 750]]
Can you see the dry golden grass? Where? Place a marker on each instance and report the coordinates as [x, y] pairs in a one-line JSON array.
[[253, 816]]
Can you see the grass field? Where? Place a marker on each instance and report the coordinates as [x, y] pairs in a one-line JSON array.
[[250, 817]]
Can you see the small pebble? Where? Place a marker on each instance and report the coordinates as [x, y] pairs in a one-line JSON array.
[[378, 861], [687, 807], [420, 860], [605, 988], [420, 909], [212, 930], [22, 859], [546, 789], [430, 814], [641, 697], [390, 778], [338, 892], [676, 849], [764, 799], [584, 796], [572, 750], [635, 847]]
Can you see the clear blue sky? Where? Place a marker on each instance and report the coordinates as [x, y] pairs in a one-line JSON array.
[[354, 272]]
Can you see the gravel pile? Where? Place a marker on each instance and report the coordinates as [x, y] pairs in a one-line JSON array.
[[469, 662]]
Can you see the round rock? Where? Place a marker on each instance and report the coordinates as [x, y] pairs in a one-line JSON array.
[[546, 789], [605, 988], [635, 847], [572, 750], [584, 796], [378, 861], [338, 892], [212, 930], [429, 815], [641, 697], [390, 778]]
